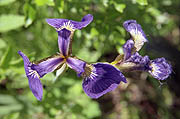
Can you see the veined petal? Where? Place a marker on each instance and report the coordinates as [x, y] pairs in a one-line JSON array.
[[35, 86], [160, 68], [101, 78], [136, 32], [70, 25], [84, 22], [33, 78], [76, 64], [127, 48], [64, 41], [36, 71], [48, 65]]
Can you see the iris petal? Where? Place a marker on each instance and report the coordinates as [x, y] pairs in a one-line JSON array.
[[136, 32], [64, 40], [36, 87], [141, 62], [103, 79], [33, 78], [48, 65], [36, 71], [70, 25], [127, 48], [76, 65], [160, 68]]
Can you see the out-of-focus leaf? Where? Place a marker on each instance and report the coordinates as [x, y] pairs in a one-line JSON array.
[[90, 56], [141, 2], [8, 104], [30, 13], [10, 22], [6, 2], [2, 43], [94, 32], [119, 7], [44, 2], [6, 58], [5, 109], [7, 99]]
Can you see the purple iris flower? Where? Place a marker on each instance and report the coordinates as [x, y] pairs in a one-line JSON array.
[[158, 68], [35, 71], [101, 78], [136, 32]]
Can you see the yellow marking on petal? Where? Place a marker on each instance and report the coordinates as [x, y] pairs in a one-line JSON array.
[[67, 25]]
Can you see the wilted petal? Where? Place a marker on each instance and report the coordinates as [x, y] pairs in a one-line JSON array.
[[101, 78], [64, 40], [160, 68], [127, 49], [142, 62], [136, 32], [76, 64], [70, 25]]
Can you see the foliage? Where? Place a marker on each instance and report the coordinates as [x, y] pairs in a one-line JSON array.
[[23, 27]]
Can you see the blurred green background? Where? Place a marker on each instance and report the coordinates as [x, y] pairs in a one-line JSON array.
[[23, 27]]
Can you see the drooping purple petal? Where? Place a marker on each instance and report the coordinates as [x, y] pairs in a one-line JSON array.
[[160, 68], [35, 86], [64, 40], [127, 48], [76, 64], [136, 32], [70, 25], [33, 78], [103, 78], [36, 71]]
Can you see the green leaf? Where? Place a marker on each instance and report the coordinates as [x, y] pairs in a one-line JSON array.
[[6, 2], [7, 99], [30, 13], [10, 22], [119, 7], [6, 58], [2, 43], [142, 2], [44, 2], [5, 109]]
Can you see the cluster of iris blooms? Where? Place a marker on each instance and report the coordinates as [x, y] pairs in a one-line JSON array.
[[98, 78]]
